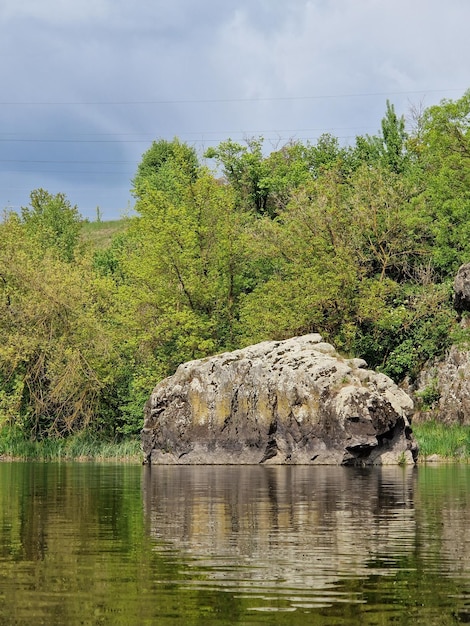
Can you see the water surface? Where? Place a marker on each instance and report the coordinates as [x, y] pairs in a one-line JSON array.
[[117, 544]]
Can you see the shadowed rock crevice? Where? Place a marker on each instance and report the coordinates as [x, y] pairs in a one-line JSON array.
[[290, 402]]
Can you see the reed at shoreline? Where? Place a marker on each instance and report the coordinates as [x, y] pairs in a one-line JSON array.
[[447, 441], [79, 447]]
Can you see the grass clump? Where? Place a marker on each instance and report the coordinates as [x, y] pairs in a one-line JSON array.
[[448, 441], [82, 446], [429, 397]]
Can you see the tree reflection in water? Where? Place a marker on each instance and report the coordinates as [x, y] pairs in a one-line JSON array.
[[123, 545]]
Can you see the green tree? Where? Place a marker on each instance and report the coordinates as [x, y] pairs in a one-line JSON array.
[[311, 248], [387, 149], [245, 169], [184, 265], [57, 354], [53, 222], [167, 166], [265, 184], [401, 326], [443, 152], [293, 166], [394, 232], [394, 138], [285, 170]]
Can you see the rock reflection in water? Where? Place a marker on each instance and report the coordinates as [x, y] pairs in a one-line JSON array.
[[296, 528]]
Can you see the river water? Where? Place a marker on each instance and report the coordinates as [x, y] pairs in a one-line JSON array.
[[121, 544]]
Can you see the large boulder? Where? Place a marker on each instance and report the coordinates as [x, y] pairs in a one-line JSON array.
[[278, 402]]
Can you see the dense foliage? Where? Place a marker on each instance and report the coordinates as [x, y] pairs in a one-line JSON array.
[[359, 243]]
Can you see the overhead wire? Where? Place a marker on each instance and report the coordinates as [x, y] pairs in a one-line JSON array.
[[226, 100], [197, 137]]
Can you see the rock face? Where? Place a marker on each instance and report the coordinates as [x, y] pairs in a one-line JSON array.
[[462, 289], [443, 389], [295, 401]]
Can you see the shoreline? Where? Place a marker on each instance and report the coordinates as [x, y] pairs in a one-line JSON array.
[[438, 443], [432, 459]]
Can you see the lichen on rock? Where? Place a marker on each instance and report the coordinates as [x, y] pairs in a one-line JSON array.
[[278, 402]]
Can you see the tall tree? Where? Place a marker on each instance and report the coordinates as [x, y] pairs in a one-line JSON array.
[[57, 349], [185, 271], [388, 148], [167, 166], [265, 184], [443, 153], [245, 169], [393, 140], [394, 232], [53, 222], [311, 247]]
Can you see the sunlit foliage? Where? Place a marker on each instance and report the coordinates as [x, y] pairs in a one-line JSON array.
[[359, 243]]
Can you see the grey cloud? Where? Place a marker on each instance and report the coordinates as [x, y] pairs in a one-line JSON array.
[[197, 62]]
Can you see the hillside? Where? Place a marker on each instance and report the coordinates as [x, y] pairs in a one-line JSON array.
[[100, 234]]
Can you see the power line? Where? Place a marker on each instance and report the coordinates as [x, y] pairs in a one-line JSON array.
[[32, 140], [202, 140], [6, 136], [228, 100], [95, 189], [65, 161], [67, 172]]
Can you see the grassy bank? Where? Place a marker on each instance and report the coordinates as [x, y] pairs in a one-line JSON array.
[[80, 447], [450, 442]]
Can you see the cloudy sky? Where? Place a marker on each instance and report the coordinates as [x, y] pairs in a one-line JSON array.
[[87, 85]]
